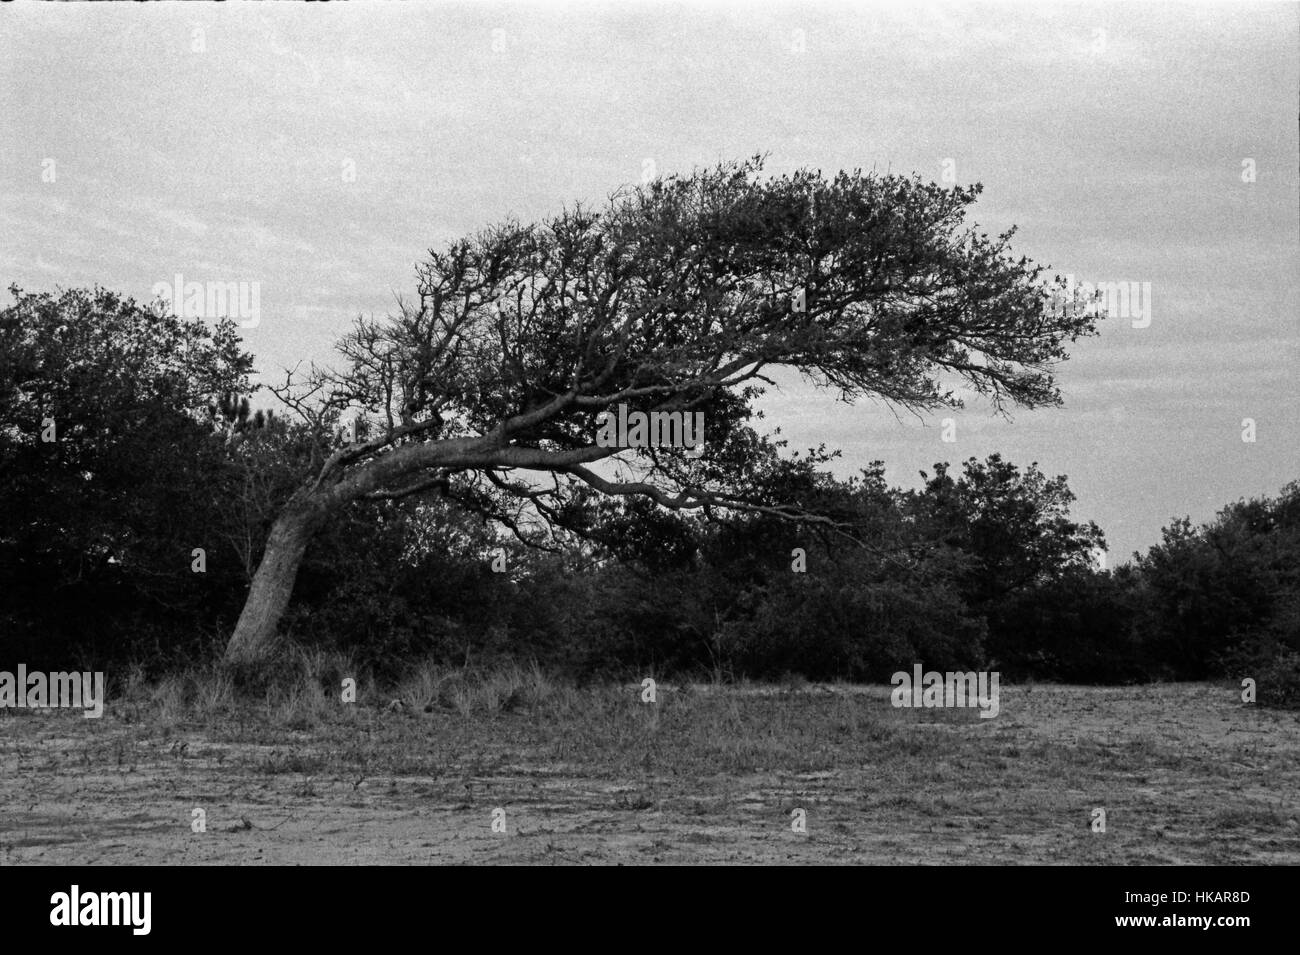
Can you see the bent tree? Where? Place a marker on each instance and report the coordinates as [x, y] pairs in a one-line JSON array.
[[678, 296]]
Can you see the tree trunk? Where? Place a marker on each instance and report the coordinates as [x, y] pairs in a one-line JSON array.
[[273, 583]]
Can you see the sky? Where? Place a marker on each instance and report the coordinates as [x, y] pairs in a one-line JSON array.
[[321, 151]]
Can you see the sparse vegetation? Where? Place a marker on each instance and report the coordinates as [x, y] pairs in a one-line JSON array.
[[708, 773]]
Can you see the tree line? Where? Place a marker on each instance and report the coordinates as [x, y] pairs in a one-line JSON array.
[[442, 493], [154, 457]]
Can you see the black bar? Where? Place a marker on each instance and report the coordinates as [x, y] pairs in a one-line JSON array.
[[333, 905]]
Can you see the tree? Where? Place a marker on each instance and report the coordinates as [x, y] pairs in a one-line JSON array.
[[677, 297], [111, 468], [845, 610], [1015, 525], [1228, 591]]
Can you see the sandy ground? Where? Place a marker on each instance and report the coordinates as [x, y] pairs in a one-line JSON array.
[[1186, 774]]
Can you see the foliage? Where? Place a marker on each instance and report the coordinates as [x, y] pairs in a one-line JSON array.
[[99, 526]]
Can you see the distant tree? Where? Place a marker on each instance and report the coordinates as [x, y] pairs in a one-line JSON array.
[[1228, 591], [111, 470], [1082, 626], [679, 296], [815, 604], [1015, 525]]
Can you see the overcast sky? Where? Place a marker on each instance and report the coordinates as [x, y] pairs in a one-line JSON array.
[[220, 142]]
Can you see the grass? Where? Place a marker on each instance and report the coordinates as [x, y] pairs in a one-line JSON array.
[[411, 770]]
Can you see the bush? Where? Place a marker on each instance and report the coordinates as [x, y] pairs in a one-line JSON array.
[[1081, 628], [1277, 679]]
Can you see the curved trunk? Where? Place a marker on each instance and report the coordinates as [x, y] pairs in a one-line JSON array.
[[294, 528], [272, 584]]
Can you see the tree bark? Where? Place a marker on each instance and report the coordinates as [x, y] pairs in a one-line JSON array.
[[273, 582]]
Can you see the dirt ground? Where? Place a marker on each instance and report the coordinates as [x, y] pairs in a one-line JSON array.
[[1186, 773]]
